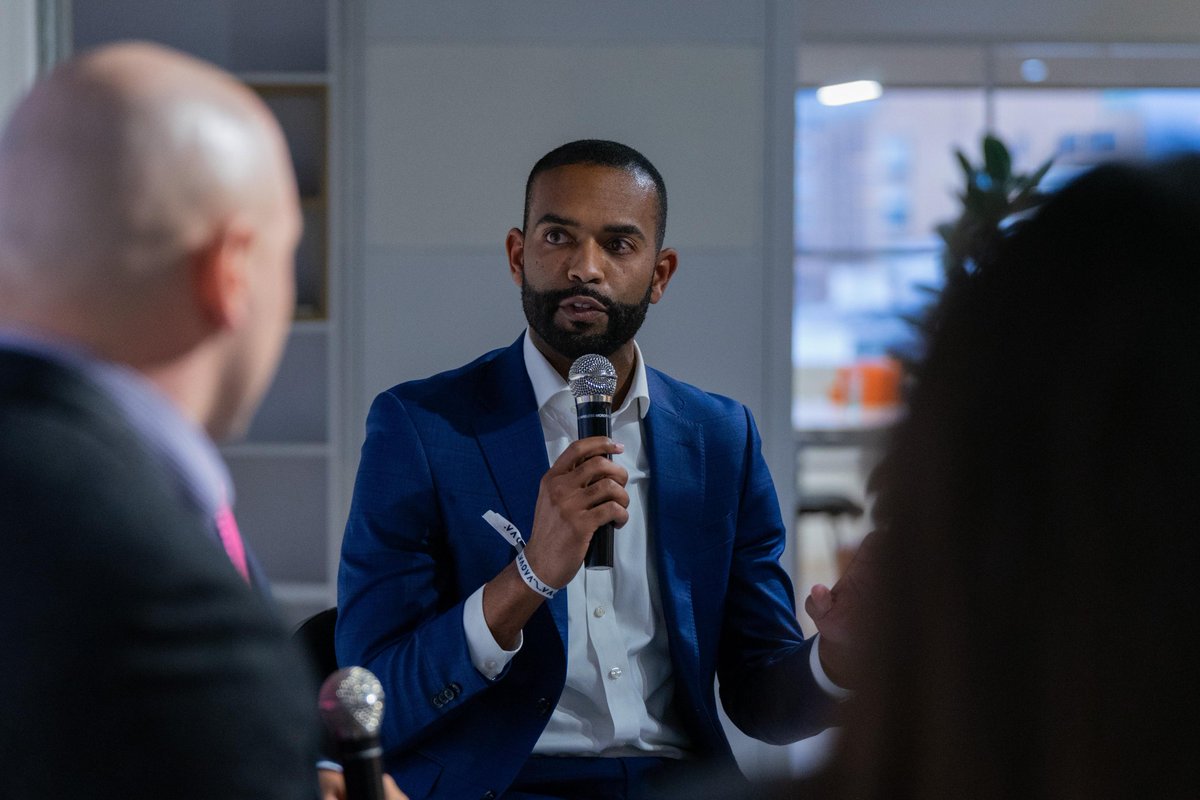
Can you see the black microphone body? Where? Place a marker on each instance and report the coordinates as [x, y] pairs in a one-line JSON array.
[[362, 768], [351, 705], [595, 419], [593, 382]]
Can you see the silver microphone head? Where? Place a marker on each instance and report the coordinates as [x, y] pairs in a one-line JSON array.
[[592, 376], [351, 704]]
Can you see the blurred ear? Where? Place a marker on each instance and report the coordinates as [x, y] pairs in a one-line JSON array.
[[220, 275], [664, 268], [514, 245]]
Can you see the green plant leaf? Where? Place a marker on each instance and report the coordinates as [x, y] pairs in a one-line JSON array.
[[1040, 173], [975, 201], [997, 160], [991, 198], [967, 169]]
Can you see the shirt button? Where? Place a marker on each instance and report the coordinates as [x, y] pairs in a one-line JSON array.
[[614, 673], [599, 612], [490, 665]]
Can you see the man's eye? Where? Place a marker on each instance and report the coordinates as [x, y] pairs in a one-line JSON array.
[[620, 246], [554, 236]]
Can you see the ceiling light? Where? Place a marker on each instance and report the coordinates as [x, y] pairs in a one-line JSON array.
[[840, 94]]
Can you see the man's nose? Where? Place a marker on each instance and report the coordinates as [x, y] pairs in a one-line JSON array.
[[588, 265]]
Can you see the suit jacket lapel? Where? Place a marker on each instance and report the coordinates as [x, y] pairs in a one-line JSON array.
[[510, 435], [675, 450]]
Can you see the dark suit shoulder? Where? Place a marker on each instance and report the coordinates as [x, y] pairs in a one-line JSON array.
[[77, 469], [137, 661], [692, 402], [496, 381]]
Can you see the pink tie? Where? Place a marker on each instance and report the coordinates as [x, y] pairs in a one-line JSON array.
[[232, 540]]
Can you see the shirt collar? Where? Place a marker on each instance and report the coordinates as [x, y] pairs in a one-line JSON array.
[[547, 382]]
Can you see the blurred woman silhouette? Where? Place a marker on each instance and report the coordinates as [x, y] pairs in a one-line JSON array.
[[1033, 626]]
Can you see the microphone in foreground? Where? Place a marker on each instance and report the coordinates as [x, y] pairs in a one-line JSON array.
[[351, 705], [593, 382]]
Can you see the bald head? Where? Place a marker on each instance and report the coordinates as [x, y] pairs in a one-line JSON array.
[[142, 195], [119, 163]]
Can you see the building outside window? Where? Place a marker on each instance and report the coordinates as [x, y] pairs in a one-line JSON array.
[[874, 178]]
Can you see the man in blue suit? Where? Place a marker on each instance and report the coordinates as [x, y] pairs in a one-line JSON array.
[[510, 670]]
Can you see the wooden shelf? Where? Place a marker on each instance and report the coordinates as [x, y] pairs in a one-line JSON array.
[[300, 101]]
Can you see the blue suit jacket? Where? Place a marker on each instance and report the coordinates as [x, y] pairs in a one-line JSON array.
[[442, 451]]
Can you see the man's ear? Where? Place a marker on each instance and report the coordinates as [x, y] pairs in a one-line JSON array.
[[514, 245], [220, 275], [664, 268]]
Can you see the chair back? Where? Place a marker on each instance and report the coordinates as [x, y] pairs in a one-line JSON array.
[[315, 635]]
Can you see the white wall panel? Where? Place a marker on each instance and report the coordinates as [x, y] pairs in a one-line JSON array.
[[452, 131], [432, 311], [573, 21]]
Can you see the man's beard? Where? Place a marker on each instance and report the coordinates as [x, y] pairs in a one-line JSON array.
[[624, 320]]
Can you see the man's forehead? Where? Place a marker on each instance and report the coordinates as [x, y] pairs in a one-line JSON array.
[[574, 183]]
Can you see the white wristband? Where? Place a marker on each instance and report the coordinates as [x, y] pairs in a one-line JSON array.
[[534, 582]]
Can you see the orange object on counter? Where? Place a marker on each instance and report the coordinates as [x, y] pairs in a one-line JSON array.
[[869, 382]]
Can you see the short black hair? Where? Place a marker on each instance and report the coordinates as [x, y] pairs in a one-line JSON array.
[[604, 153]]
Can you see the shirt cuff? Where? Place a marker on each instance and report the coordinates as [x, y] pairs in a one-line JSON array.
[[332, 766], [814, 662], [487, 656]]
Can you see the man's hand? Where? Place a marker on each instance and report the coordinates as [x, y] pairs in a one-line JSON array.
[[841, 613], [333, 786], [581, 491]]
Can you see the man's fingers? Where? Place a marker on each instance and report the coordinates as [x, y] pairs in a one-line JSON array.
[[610, 511], [606, 489], [819, 601], [578, 453], [595, 470], [332, 783], [391, 790]]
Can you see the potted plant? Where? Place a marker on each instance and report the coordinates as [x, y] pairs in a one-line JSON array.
[[993, 197]]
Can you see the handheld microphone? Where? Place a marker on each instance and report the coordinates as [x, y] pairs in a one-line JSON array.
[[351, 705], [593, 382]]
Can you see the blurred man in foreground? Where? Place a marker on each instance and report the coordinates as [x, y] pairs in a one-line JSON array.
[[148, 220]]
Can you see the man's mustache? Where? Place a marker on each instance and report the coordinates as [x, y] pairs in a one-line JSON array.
[[556, 296]]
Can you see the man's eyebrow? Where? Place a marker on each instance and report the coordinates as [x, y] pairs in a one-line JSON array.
[[627, 230], [555, 219]]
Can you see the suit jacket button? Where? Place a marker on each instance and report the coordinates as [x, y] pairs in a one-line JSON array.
[[488, 795], [544, 706]]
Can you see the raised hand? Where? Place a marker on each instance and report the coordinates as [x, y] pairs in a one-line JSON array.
[[841, 614], [581, 491]]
